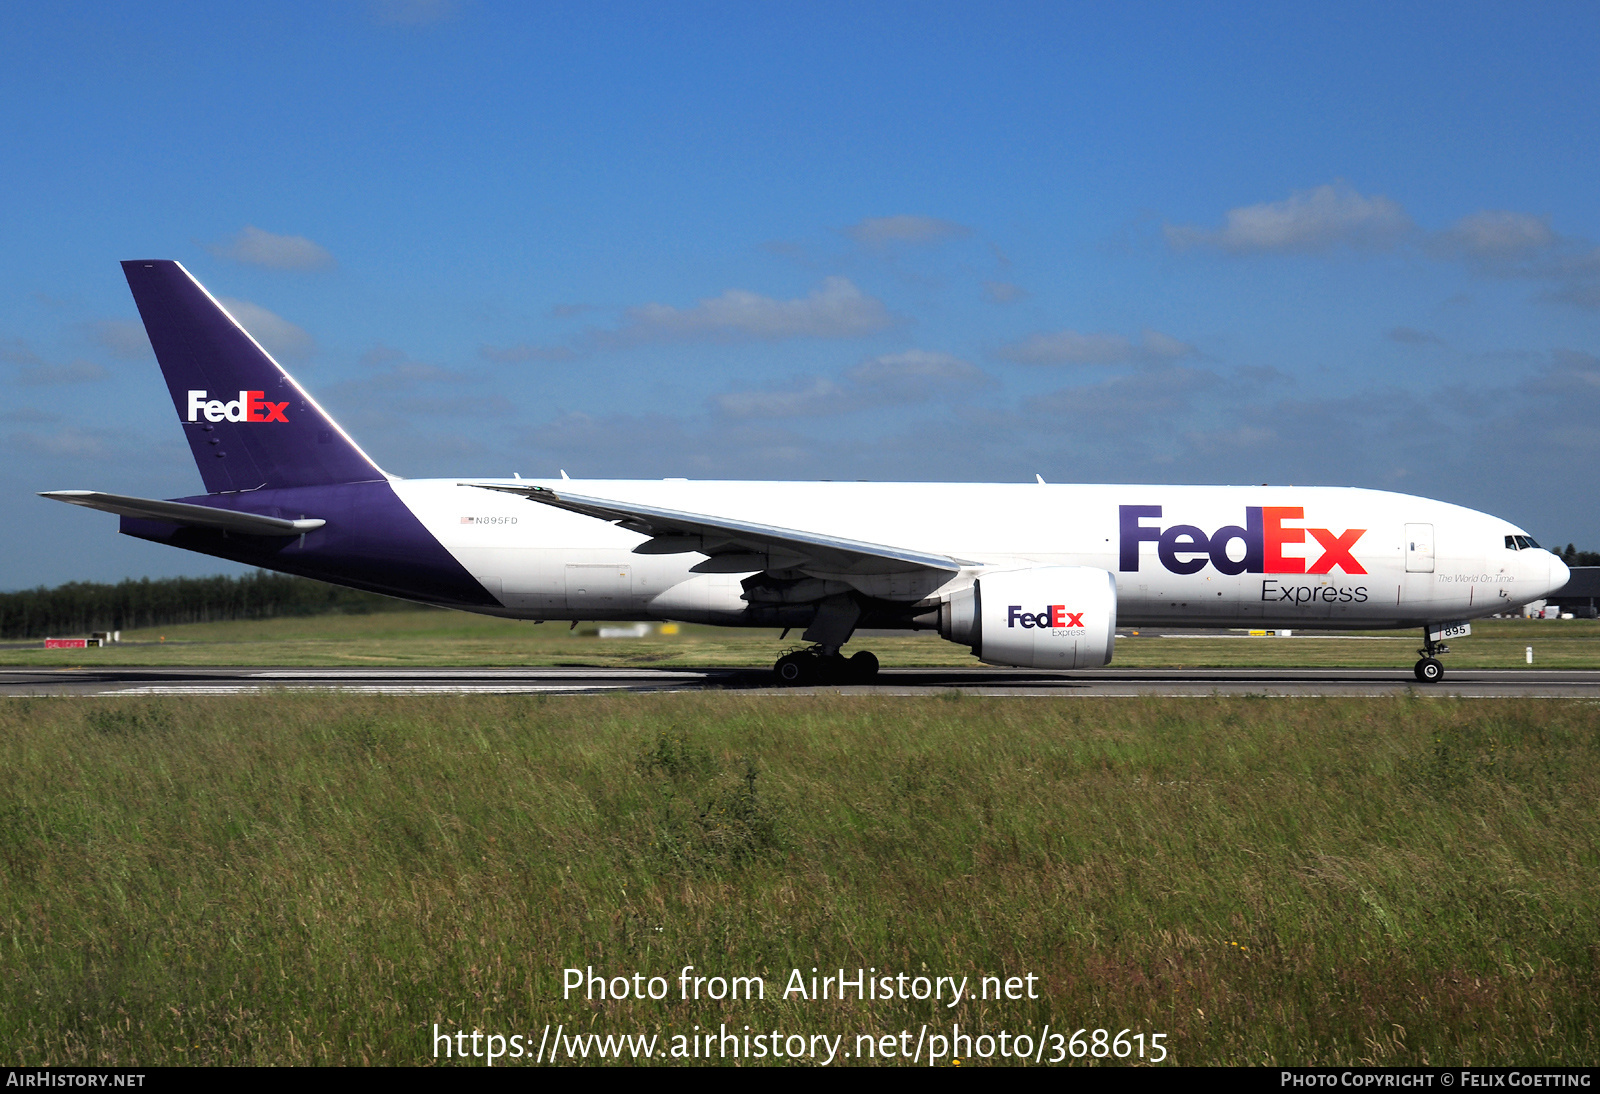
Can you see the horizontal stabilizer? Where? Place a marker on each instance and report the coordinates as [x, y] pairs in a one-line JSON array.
[[677, 531], [180, 512]]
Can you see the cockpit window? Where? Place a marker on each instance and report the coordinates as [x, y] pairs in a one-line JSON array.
[[1520, 543], [1511, 543], [1527, 541]]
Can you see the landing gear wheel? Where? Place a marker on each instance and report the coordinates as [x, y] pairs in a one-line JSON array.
[[796, 670], [807, 667], [832, 668], [863, 667]]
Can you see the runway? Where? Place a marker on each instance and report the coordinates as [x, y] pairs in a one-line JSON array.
[[1098, 683]]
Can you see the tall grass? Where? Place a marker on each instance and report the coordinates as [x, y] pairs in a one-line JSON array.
[[316, 879]]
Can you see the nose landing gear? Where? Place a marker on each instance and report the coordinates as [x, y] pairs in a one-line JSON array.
[[1429, 670]]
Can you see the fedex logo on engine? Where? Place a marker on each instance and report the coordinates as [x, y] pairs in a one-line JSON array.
[[1185, 548], [1054, 617], [250, 406]]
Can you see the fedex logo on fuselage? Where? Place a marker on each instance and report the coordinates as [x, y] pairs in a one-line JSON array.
[[250, 406], [1186, 549], [1054, 617]]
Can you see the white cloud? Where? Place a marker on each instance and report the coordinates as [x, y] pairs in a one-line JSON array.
[[255, 247], [78, 372], [395, 370], [1235, 438], [1502, 243], [1584, 261], [1575, 270], [1308, 220], [1570, 373], [397, 403], [1577, 294], [405, 376], [913, 376], [461, 406], [28, 414], [887, 231], [610, 446], [381, 354], [122, 338], [808, 398], [1131, 399], [34, 371], [1492, 242], [836, 309], [1495, 235], [1069, 347], [915, 373], [70, 443], [280, 337], [16, 351]]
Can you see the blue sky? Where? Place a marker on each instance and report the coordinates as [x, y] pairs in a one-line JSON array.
[[1105, 243]]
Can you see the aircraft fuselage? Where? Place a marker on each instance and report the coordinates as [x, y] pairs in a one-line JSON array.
[[1181, 555]]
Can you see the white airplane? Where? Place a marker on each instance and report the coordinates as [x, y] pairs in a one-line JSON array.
[[1029, 575]]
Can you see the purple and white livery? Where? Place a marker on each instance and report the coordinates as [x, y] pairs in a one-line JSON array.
[[1031, 575]]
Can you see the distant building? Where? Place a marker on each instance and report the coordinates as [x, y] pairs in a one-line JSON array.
[[1581, 595]]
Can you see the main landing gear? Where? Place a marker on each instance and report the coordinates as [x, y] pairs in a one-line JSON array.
[[822, 663], [1429, 670], [818, 665]]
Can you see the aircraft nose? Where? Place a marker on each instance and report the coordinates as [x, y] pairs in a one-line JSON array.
[[1560, 574]]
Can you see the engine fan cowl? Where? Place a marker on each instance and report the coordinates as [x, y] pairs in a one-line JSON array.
[[1044, 617]]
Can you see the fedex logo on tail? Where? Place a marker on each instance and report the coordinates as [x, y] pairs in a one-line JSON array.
[[1055, 617], [1186, 549], [250, 406]]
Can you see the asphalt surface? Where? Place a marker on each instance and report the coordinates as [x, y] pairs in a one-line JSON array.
[[1098, 683]]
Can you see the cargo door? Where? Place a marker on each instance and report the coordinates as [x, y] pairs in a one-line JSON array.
[[599, 590], [1419, 591], [1419, 548]]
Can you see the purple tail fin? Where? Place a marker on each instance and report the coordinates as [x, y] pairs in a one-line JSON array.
[[248, 423]]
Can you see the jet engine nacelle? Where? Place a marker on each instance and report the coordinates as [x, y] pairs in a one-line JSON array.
[[1046, 617]]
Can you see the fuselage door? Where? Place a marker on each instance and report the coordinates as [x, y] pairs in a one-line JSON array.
[[598, 588], [1419, 548]]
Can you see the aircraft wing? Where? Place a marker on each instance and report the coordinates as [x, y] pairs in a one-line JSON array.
[[182, 512], [737, 546]]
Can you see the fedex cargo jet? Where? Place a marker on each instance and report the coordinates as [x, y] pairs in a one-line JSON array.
[[1029, 575]]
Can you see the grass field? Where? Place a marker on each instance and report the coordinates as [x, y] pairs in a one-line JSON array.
[[321, 879], [445, 638]]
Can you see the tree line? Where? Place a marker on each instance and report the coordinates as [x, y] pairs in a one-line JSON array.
[[1574, 557], [81, 607]]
